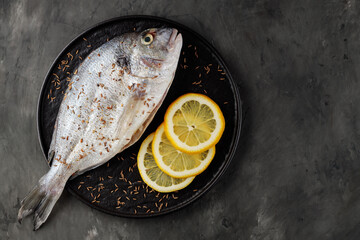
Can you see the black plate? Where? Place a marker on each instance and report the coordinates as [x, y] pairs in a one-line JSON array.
[[201, 70]]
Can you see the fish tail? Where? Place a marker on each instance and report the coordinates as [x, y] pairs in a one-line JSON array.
[[40, 201]]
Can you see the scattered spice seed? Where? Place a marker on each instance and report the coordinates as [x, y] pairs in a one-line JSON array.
[[207, 69], [70, 56]]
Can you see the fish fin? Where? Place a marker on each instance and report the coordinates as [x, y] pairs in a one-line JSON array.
[[78, 173], [74, 175], [51, 152], [29, 203], [43, 210], [41, 201], [50, 157], [142, 128]]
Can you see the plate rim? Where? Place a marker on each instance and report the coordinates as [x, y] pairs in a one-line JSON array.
[[234, 143]]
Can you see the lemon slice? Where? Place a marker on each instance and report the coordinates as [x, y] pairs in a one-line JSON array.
[[194, 123], [152, 175], [176, 163]]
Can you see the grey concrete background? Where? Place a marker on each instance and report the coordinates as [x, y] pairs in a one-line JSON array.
[[296, 174]]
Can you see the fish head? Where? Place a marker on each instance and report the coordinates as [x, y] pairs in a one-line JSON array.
[[155, 51]]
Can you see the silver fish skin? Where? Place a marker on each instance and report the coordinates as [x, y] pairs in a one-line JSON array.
[[108, 105]]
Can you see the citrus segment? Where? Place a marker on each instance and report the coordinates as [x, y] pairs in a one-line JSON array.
[[194, 123], [176, 163], [152, 175]]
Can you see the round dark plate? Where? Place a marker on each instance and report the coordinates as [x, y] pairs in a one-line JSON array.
[[116, 187]]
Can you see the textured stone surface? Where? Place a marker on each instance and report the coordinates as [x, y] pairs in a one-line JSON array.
[[296, 172]]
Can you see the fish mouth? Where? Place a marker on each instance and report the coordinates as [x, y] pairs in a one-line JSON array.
[[174, 40], [152, 62]]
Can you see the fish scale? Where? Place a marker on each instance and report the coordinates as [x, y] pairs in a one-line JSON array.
[[109, 103]]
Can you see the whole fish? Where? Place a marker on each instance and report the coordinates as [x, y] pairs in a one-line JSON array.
[[106, 108]]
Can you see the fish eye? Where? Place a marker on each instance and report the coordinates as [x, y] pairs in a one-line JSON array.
[[147, 39]]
